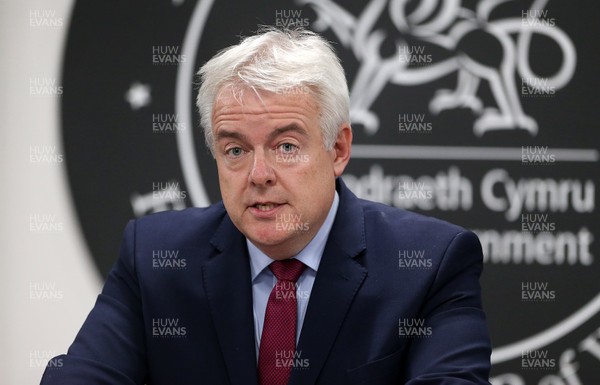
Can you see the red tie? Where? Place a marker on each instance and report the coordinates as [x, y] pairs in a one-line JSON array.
[[277, 349]]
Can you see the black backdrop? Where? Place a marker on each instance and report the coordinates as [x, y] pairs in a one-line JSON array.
[[481, 113]]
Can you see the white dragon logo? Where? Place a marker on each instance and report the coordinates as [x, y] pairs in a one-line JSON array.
[[445, 23]]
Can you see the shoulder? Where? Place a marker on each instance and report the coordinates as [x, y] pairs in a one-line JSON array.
[[193, 224], [190, 214], [382, 221], [424, 253], [386, 230]]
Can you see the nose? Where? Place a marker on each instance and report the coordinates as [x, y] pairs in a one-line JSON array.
[[261, 173]]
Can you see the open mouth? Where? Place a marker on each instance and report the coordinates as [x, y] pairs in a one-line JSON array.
[[265, 210], [266, 206]]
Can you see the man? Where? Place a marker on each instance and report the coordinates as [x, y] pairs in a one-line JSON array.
[[291, 279]]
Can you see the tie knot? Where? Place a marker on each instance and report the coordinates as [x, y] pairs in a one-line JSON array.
[[287, 270]]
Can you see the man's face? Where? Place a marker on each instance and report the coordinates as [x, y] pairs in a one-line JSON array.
[[277, 180]]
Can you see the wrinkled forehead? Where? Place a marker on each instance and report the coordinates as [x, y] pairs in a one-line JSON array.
[[254, 101]]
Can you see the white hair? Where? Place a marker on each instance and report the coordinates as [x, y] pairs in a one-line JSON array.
[[274, 61]]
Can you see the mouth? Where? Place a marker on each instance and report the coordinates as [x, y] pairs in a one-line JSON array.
[[265, 210], [266, 206]]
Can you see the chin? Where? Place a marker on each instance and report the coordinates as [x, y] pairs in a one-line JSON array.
[[270, 240]]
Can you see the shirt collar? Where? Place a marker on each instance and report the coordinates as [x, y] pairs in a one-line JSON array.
[[310, 255]]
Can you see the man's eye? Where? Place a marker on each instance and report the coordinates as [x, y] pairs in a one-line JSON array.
[[288, 148], [234, 151]]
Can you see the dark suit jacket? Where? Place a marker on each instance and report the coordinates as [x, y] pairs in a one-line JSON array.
[[192, 322]]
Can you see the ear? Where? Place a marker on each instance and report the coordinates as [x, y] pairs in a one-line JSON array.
[[342, 149]]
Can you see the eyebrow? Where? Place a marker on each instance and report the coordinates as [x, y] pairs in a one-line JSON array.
[[290, 127], [224, 133]]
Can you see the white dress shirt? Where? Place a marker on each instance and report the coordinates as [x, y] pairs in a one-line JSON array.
[[263, 279]]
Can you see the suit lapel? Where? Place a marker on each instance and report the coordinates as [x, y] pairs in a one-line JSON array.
[[338, 280], [229, 290]]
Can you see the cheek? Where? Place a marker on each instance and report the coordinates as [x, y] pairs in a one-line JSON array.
[[314, 183], [224, 186], [321, 168], [229, 189]]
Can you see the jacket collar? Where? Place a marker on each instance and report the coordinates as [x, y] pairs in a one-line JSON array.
[[227, 282], [338, 281]]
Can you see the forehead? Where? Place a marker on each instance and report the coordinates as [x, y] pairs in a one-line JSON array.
[[252, 104]]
